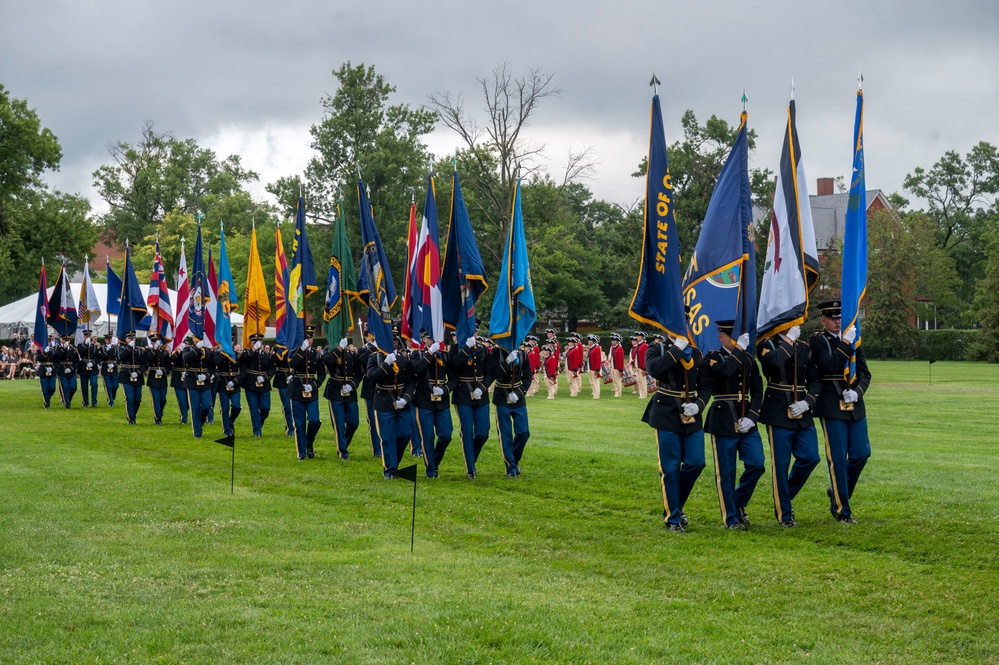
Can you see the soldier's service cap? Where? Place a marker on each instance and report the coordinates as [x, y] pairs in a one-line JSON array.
[[66, 338], [478, 323], [424, 333], [310, 331], [452, 334], [152, 337], [86, 333], [593, 338], [725, 326], [831, 308], [256, 337], [102, 338], [130, 333], [189, 339]]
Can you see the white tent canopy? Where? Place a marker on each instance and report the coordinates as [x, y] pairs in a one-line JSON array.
[[20, 315]]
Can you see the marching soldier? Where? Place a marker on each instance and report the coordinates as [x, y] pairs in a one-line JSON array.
[[574, 363], [47, 371], [90, 367], [228, 381], [432, 401], [345, 374], [840, 407], [549, 363], [282, 372], [177, 378], [198, 370], [793, 386], [471, 398], [617, 363], [534, 358], [641, 348], [595, 360], [158, 368], [368, 394], [552, 341], [731, 421], [68, 359], [675, 413], [415, 438], [131, 367], [511, 372], [257, 368], [109, 370], [395, 384], [307, 375]]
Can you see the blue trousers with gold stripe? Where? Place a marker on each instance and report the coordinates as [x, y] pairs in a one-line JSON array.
[[803, 445], [431, 422], [376, 441], [345, 421], [182, 404], [48, 384], [473, 428], [749, 449], [289, 417], [847, 451], [67, 382], [514, 433], [394, 431], [89, 396], [681, 460]]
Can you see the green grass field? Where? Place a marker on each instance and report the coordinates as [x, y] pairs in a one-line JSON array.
[[123, 544]]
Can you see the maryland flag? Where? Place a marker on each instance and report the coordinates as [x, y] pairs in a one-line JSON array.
[[256, 304]]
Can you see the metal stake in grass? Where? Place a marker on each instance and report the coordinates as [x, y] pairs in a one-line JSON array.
[[231, 442]]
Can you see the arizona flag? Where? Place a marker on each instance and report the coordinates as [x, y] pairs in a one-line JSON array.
[[514, 312], [792, 266], [88, 309], [658, 299], [158, 299], [183, 301], [425, 273], [463, 278], [855, 240], [40, 334], [720, 282], [375, 287], [406, 327]]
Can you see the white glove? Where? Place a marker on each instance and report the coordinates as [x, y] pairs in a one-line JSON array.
[[743, 341], [477, 393], [257, 346], [681, 343], [850, 396], [131, 343], [793, 334], [158, 344], [390, 358], [511, 357], [512, 398], [690, 409], [799, 407], [305, 345], [850, 335], [114, 341], [434, 348], [400, 404], [347, 389], [470, 342], [260, 379], [202, 377], [134, 375], [437, 390], [343, 343], [744, 425], [229, 385]]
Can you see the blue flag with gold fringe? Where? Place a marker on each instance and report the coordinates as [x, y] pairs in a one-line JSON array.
[[463, 277], [514, 312], [227, 303], [855, 239], [375, 287]]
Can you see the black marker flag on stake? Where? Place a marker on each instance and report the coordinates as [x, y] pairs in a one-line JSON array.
[[230, 441], [409, 473]]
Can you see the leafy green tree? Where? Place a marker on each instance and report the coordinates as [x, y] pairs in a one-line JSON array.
[[986, 346]]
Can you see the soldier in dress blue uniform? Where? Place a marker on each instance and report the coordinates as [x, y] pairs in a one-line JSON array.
[[307, 376], [840, 407], [178, 378], [738, 395], [228, 382], [395, 384], [368, 394], [67, 360], [675, 411], [345, 374], [282, 372], [471, 397], [131, 367], [197, 372], [434, 385], [90, 367], [792, 389], [257, 367], [511, 373], [158, 375], [109, 370], [47, 372]]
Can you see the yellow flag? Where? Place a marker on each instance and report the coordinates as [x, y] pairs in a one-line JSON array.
[[256, 305]]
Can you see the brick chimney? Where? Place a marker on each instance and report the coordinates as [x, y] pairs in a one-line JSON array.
[[826, 186]]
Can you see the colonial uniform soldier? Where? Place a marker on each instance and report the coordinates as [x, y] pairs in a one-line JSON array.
[[641, 371], [549, 363], [109, 370], [67, 359], [675, 412], [534, 358], [552, 341], [595, 360], [198, 370], [512, 372], [228, 381], [282, 372], [47, 371], [793, 386], [731, 421], [158, 367], [345, 374], [574, 364], [90, 367], [368, 394], [303, 389], [257, 368], [841, 408], [617, 363], [395, 384], [131, 367], [471, 398], [177, 378], [432, 401]]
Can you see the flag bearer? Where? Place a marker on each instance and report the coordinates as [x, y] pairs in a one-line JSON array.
[[68, 360], [512, 374], [198, 370], [282, 372], [131, 367], [432, 401], [109, 370], [257, 369], [368, 394], [345, 374], [394, 384], [90, 367], [471, 398], [158, 375], [178, 377], [307, 375], [228, 381], [47, 371]]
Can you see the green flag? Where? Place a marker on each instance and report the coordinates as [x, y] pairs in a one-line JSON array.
[[341, 285]]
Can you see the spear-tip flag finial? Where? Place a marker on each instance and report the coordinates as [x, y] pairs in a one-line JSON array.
[[744, 100], [792, 87], [860, 80], [655, 82]]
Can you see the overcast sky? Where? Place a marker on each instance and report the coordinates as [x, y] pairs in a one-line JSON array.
[[247, 77]]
